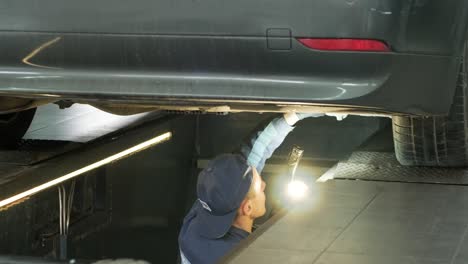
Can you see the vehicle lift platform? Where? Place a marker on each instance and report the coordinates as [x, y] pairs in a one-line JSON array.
[[38, 162], [39, 165], [370, 210]]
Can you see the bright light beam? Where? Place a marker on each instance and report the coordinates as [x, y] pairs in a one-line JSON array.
[[297, 190], [139, 147]]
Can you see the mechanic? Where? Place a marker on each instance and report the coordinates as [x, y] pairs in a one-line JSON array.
[[231, 195]]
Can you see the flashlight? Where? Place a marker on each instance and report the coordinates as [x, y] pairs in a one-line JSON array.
[[296, 189], [294, 159]]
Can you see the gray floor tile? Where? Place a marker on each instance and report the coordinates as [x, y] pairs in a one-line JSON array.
[[276, 256], [296, 238], [366, 222], [336, 258], [400, 243]]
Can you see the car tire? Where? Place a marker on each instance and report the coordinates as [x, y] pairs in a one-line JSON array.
[[13, 127], [435, 141]]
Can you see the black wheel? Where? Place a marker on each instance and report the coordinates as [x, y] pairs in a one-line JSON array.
[[13, 127], [435, 141]]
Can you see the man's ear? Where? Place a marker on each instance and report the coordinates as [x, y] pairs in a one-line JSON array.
[[246, 207]]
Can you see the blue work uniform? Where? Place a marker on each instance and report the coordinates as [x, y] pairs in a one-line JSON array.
[[197, 249]]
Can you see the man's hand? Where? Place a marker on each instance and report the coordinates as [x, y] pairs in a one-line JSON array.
[[338, 117], [306, 115], [292, 117]]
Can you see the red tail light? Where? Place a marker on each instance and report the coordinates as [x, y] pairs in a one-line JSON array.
[[345, 44]]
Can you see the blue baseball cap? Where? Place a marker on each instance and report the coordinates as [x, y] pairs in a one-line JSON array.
[[221, 188]]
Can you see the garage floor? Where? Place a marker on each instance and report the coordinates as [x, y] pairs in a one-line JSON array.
[[367, 222]]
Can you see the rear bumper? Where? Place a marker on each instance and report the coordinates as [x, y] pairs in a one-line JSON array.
[[197, 70]]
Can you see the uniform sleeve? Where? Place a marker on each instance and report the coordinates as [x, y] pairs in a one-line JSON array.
[[263, 143]]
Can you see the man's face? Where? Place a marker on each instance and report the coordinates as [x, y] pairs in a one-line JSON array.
[[258, 200]]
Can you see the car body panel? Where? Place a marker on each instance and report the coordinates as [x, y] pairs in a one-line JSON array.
[[242, 52], [423, 26]]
